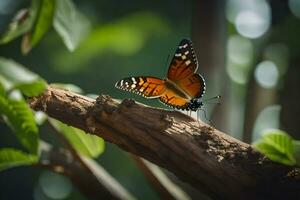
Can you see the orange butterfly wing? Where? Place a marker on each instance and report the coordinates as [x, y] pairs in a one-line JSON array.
[[171, 99], [148, 87], [182, 70], [184, 61], [182, 73]]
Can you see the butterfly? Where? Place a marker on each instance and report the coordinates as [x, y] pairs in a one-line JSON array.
[[181, 89]]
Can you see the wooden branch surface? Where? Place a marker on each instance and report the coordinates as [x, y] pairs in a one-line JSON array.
[[211, 161]]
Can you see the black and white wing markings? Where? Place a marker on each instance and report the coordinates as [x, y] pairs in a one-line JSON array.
[[148, 87]]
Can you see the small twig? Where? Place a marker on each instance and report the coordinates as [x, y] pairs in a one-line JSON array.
[[165, 188], [68, 145], [2, 120]]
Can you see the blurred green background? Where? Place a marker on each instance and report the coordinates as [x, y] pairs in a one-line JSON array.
[[244, 48]]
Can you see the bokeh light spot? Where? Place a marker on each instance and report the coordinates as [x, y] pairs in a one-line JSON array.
[[240, 50], [268, 118], [240, 55], [266, 74], [252, 18], [251, 24], [294, 6], [237, 73], [55, 186], [7, 6]]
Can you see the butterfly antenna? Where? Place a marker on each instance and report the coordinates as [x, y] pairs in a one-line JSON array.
[[212, 98], [207, 101]]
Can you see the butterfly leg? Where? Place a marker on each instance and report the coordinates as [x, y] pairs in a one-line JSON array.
[[198, 117], [208, 120]]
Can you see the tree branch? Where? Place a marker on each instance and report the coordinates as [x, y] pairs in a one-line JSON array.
[[90, 178], [211, 161], [159, 181]]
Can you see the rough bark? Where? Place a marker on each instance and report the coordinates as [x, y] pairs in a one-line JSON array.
[[211, 161]]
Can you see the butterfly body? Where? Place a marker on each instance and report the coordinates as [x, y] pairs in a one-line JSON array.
[[195, 104], [175, 89], [181, 89]]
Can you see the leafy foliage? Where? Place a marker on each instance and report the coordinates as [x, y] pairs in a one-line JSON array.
[[15, 76], [70, 24], [32, 89], [20, 119], [42, 24], [277, 146], [2, 90], [297, 151], [12, 157], [85, 144], [33, 23], [36, 21], [22, 23], [16, 112]]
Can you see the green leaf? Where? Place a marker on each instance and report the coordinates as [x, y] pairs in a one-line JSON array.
[[22, 23], [20, 118], [86, 144], [71, 25], [272, 154], [277, 146], [10, 157], [32, 89], [2, 89], [297, 151], [42, 25], [15, 76], [44, 20]]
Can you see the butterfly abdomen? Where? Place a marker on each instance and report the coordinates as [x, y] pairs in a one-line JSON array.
[[176, 90], [149, 87]]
